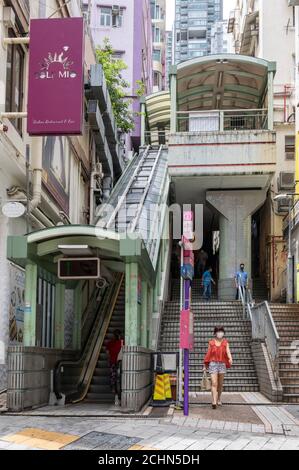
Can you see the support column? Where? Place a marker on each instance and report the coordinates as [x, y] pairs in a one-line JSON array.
[[59, 316], [144, 313], [30, 304], [271, 100], [236, 209], [142, 132], [150, 316], [132, 323], [173, 99], [78, 314]]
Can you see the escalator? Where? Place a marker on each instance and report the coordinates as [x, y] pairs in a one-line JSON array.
[[100, 389], [137, 199], [73, 378], [133, 207]]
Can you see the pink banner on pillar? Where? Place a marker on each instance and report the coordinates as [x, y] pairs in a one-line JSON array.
[[186, 330], [56, 81]]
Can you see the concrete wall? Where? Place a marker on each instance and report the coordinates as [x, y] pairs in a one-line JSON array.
[[29, 371], [271, 388], [222, 153]]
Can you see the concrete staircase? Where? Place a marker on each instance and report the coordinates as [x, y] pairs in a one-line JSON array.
[[286, 318], [242, 377], [259, 290], [197, 290], [100, 389]]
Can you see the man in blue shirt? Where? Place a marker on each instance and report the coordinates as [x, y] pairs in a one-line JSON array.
[[241, 280], [207, 283]]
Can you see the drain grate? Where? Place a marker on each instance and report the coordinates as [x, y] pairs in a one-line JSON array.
[[103, 441]]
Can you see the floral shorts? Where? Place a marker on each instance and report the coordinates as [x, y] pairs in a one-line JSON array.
[[217, 368]]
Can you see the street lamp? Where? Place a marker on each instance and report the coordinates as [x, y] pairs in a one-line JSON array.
[[289, 196]]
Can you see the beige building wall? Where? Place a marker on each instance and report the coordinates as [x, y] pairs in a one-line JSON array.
[[269, 30], [13, 160]]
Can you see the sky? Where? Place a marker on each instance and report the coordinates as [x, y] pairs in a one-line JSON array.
[[170, 9]]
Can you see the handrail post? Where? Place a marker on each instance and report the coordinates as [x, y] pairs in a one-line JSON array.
[[221, 121]]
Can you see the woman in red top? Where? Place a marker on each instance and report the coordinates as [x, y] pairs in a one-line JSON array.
[[217, 360], [113, 347]]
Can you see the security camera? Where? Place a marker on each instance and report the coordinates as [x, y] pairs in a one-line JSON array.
[[101, 283]]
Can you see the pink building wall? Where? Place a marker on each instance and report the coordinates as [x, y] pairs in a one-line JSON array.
[[134, 41]]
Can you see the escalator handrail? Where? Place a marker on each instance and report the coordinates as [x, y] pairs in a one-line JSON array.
[[84, 355], [145, 193], [96, 305], [128, 187], [122, 179]]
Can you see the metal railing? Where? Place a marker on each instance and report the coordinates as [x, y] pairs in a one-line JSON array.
[[222, 121], [264, 329], [247, 302], [156, 137]]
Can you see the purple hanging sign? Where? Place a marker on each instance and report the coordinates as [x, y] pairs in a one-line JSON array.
[[56, 80]]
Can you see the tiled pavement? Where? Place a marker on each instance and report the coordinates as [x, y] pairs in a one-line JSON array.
[[104, 434], [275, 427]]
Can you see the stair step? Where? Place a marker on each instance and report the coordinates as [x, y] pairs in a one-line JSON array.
[[293, 389], [291, 398]]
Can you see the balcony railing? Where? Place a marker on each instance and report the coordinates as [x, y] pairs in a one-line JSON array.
[[156, 137], [222, 121]]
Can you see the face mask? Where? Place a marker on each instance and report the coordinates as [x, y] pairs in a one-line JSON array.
[[220, 335]]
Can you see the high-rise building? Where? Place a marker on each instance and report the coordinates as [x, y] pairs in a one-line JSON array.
[[193, 24], [169, 59], [219, 38], [158, 14], [128, 26]]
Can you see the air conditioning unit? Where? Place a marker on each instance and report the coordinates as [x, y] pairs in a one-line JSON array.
[[115, 10], [293, 3], [9, 17], [283, 205], [286, 180]]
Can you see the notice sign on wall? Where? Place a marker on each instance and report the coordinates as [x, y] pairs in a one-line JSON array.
[[56, 83]]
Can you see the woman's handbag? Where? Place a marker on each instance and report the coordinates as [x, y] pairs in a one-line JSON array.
[[205, 385]]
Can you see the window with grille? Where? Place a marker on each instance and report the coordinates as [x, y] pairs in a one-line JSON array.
[[14, 81], [290, 147]]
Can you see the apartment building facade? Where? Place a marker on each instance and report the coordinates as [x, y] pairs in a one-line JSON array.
[[252, 26], [128, 25], [158, 14], [60, 179], [193, 23], [219, 38]]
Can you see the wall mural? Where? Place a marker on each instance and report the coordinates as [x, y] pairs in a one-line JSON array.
[[17, 303]]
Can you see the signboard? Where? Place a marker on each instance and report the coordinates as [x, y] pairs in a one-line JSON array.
[[186, 330], [56, 82], [78, 268], [13, 210], [188, 225]]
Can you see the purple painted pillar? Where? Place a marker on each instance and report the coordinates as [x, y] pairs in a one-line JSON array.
[[187, 287]]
